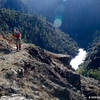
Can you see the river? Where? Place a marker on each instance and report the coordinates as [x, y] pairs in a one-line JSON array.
[[79, 59]]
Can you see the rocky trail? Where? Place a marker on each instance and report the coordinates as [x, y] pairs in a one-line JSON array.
[[37, 74]]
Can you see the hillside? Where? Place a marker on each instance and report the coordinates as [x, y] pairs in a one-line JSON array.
[[94, 53], [37, 74], [91, 67], [79, 18], [37, 30]]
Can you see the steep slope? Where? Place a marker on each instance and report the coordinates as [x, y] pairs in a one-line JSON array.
[[78, 17], [37, 30], [91, 67], [5, 48], [37, 74]]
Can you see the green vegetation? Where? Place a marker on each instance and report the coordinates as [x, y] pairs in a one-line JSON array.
[[93, 73], [35, 29], [91, 67], [82, 70]]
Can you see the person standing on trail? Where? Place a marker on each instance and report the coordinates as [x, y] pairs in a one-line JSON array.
[[16, 35]]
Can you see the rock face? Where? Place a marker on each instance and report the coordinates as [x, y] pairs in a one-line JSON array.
[[5, 48], [36, 74], [93, 60], [13, 97]]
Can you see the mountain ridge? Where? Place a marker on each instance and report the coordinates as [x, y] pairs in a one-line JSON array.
[[37, 30], [78, 17]]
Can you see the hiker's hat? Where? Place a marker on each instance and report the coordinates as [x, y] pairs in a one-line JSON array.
[[15, 28]]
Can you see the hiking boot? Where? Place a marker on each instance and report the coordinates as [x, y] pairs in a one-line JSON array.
[[17, 50]]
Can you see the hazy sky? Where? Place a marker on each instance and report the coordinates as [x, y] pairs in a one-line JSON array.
[[43, 4]]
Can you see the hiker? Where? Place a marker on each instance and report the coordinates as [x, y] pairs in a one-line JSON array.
[[16, 35]]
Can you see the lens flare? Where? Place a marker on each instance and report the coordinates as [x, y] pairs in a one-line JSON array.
[[58, 22], [64, 0]]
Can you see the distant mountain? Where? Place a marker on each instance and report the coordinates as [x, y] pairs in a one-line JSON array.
[[78, 18], [37, 30], [12, 4]]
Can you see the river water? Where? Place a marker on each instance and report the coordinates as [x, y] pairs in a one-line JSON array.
[[79, 59]]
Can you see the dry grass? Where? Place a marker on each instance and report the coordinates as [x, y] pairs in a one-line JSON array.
[[54, 55], [7, 39]]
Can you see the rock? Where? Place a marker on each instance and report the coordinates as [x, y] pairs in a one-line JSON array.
[[10, 75], [20, 73], [71, 77], [2, 57], [35, 74], [93, 58], [60, 58], [39, 54], [14, 97], [4, 47]]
